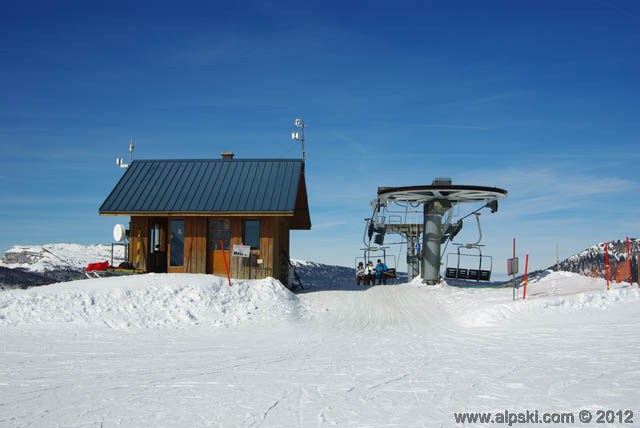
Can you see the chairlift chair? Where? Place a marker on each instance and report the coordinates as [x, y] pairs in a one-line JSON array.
[[456, 271], [479, 274], [370, 254]]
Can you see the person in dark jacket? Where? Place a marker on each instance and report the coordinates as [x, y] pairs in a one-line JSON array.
[[380, 270], [360, 276]]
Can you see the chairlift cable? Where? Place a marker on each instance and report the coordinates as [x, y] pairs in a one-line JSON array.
[[473, 212]]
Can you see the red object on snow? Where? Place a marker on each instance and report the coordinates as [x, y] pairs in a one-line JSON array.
[[97, 266]]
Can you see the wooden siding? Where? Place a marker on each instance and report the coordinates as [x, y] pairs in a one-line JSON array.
[[274, 240], [139, 242], [195, 245]]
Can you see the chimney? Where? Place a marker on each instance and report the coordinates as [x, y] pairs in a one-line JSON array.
[[226, 155]]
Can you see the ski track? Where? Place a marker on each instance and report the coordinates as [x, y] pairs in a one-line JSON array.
[[397, 355]]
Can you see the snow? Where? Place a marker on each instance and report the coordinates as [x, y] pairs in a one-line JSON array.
[[42, 258], [188, 350], [151, 300]]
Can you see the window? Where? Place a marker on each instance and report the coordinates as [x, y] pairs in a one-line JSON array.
[[252, 234], [157, 241], [219, 230], [177, 243]]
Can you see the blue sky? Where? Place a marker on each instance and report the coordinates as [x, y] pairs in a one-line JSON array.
[[540, 98]]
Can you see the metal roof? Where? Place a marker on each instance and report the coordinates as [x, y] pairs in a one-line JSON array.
[[215, 186]]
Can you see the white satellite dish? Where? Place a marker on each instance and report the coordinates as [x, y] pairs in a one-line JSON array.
[[119, 233]]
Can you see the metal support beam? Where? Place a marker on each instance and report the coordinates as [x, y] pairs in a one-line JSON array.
[[413, 263], [431, 240]]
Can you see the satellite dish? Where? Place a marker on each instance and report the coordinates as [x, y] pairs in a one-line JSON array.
[[119, 232]]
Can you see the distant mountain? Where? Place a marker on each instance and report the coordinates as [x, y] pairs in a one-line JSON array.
[[328, 276], [25, 266], [28, 266], [591, 262]]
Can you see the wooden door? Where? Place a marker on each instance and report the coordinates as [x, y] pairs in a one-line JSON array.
[[219, 230], [158, 245]]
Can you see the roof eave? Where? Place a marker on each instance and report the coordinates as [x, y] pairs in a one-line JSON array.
[[198, 213]]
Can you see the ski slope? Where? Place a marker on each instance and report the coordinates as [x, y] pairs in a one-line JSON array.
[[188, 350]]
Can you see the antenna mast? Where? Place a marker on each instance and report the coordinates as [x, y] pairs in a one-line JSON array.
[[120, 161], [299, 136], [131, 147]]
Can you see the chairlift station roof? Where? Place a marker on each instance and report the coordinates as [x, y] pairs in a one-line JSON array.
[[212, 187]]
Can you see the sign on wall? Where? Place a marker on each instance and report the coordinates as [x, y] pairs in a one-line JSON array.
[[241, 251]]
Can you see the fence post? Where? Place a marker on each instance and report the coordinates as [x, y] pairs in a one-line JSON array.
[[226, 265], [526, 270], [629, 261], [606, 264]]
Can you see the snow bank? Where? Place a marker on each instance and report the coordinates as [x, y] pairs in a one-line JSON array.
[[554, 291], [152, 300]]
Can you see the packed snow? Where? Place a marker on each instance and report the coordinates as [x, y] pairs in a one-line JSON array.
[[151, 300], [190, 350]]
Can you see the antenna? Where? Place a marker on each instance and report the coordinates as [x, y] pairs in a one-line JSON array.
[[131, 147], [120, 161], [299, 136]]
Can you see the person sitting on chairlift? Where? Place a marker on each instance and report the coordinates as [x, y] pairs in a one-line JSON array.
[[360, 276], [370, 274], [381, 268]]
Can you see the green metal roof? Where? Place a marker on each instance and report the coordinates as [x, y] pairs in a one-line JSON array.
[[204, 186]]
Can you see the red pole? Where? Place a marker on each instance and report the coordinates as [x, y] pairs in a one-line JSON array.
[[629, 261], [606, 263], [226, 265], [526, 270]]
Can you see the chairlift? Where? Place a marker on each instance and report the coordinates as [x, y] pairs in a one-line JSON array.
[[373, 254], [459, 270], [468, 271]]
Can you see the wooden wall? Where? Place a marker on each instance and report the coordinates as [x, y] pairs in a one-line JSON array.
[[274, 238], [195, 245], [139, 242], [250, 268]]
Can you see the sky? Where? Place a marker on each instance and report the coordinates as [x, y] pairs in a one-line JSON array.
[[539, 98]]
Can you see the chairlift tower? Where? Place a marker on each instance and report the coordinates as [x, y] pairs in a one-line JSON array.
[[437, 199]]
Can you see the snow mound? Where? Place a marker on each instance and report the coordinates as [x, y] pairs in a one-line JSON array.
[[151, 300], [43, 258], [554, 291]]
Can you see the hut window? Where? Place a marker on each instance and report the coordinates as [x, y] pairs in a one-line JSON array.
[[219, 230], [177, 243], [252, 234]]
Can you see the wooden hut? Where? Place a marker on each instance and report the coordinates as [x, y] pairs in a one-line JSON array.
[[189, 215]]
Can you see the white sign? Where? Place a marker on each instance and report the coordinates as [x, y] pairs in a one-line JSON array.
[[241, 251]]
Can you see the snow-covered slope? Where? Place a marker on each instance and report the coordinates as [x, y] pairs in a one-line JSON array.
[[25, 266], [182, 300], [551, 293], [188, 350], [49, 257], [591, 261]]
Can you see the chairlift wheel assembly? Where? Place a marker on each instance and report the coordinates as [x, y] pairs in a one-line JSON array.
[[436, 200]]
